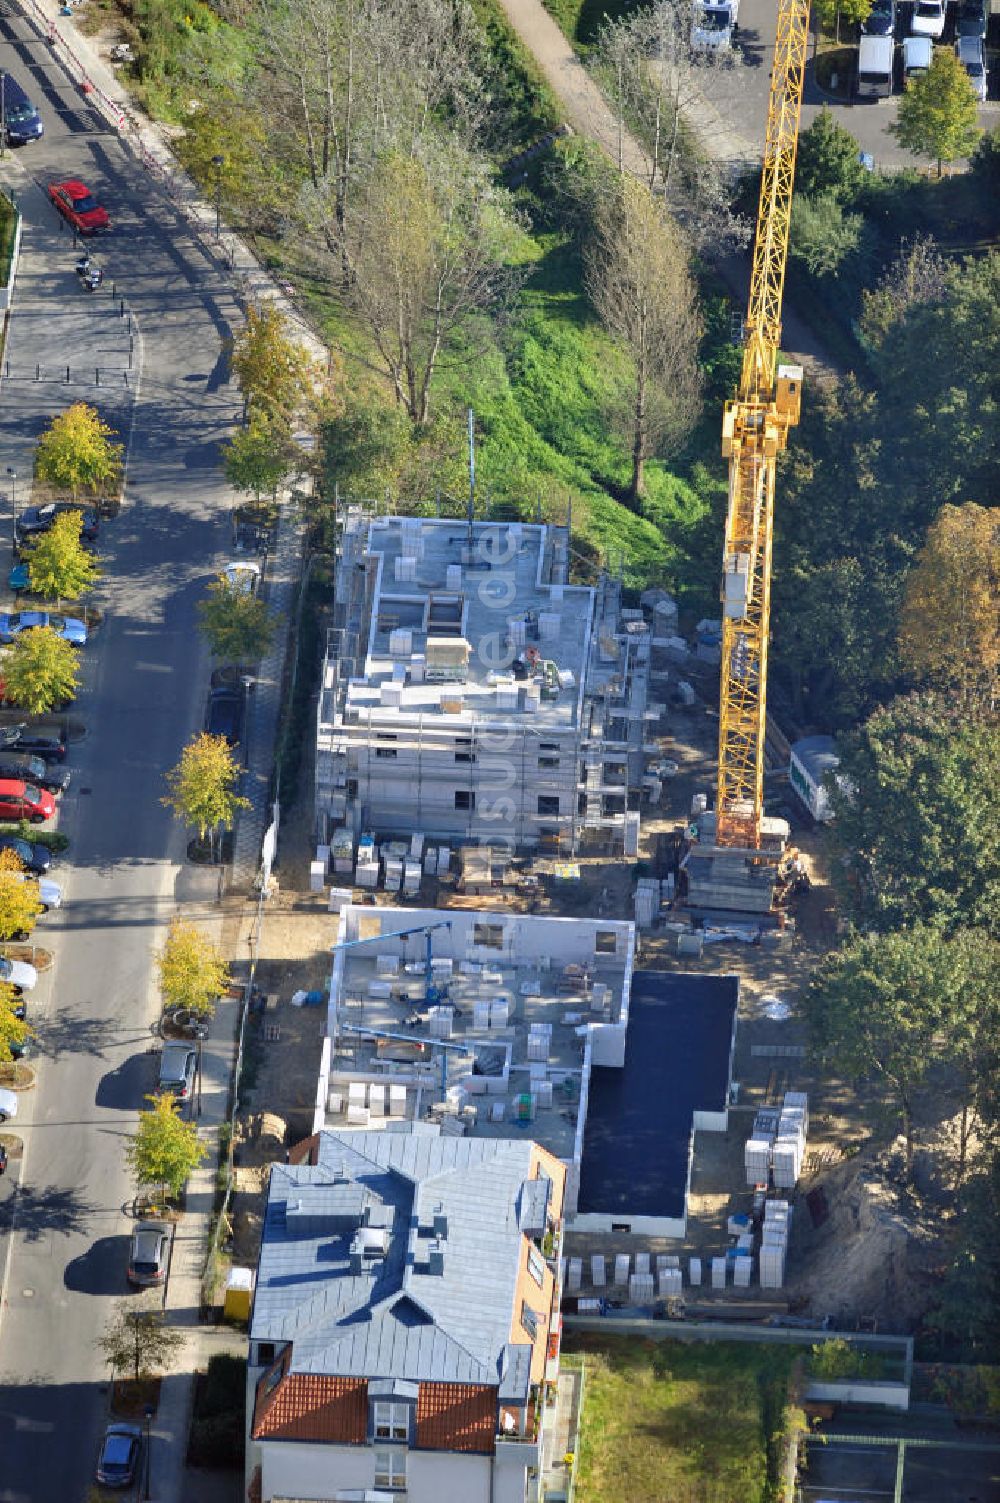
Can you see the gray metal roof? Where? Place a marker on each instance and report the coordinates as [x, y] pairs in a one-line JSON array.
[[439, 1304], [817, 754]]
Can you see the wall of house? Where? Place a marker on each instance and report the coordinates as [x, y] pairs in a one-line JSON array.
[[298, 1469]]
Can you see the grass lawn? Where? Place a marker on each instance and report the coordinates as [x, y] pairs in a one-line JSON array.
[[690, 1422], [8, 230]]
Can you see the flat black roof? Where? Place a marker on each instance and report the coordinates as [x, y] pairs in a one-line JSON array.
[[635, 1146]]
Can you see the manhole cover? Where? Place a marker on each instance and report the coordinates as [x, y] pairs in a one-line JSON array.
[[28, 1293], [776, 1009], [85, 790]]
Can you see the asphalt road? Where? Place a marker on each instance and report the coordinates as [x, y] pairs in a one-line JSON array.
[[146, 675]]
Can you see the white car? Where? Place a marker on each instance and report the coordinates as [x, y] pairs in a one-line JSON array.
[[8, 1105], [242, 577], [928, 19], [713, 24], [49, 893], [918, 53], [18, 973]]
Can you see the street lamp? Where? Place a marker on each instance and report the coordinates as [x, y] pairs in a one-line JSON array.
[[13, 509], [148, 1415], [218, 163]]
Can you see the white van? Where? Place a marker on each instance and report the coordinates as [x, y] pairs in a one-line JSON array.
[[917, 55], [875, 59]]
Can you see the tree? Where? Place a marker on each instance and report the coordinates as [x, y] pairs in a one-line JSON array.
[[827, 163], [258, 458], [822, 235], [59, 566], [936, 116], [638, 280], [138, 1341], [20, 903], [202, 785], [854, 12], [936, 373], [273, 371], [428, 257], [875, 1009], [239, 626], [949, 625], [40, 671], [916, 835], [192, 972], [165, 1150], [13, 1030], [918, 275], [77, 450]]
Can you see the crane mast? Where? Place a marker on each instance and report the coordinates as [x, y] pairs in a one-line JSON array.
[[754, 429]]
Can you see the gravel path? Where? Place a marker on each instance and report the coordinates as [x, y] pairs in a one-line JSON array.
[[588, 112]]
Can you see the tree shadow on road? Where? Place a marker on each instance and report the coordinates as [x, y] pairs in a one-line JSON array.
[[52, 1209], [70, 1033]]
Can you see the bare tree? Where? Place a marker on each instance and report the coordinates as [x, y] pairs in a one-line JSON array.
[[918, 275], [344, 80], [638, 280], [428, 249]]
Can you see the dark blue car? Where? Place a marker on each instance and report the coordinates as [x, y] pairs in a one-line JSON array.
[[20, 116]]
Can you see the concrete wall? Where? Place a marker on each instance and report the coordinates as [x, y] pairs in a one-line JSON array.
[[7, 288], [882, 1395]]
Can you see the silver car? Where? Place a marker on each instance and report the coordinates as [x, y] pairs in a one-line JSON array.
[[969, 51], [178, 1064], [149, 1253]]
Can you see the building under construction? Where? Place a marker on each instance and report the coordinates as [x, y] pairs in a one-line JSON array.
[[472, 693]]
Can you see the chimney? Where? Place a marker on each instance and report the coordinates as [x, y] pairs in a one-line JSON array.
[[435, 1259], [440, 1223]]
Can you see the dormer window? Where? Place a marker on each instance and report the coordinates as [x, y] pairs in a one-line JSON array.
[[529, 1320], [391, 1421]]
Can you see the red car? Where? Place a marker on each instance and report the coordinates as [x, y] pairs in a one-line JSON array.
[[76, 203], [24, 801]]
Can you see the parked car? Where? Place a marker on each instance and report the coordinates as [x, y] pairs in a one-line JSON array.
[[918, 53], [49, 892], [75, 202], [714, 25], [13, 623], [149, 1253], [881, 20], [26, 738], [18, 973], [36, 858], [224, 714], [8, 1105], [20, 117], [243, 577], [118, 1463], [37, 519], [875, 64], [20, 800], [969, 51], [928, 19], [178, 1064], [972, 19], [17, 764]]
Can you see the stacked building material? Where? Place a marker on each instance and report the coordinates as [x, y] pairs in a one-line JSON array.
[[641, 1289], [789, 1148], [774, 1243]]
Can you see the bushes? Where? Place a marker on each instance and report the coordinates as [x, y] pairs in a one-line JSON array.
[[217, 1429]]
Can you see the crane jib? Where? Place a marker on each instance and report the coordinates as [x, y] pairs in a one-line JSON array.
[[755, 428]]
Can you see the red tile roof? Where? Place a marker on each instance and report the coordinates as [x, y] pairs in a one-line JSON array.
[[456, 1417], [304, 1406]]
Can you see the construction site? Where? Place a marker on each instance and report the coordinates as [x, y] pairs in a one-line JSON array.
[[472, 693]]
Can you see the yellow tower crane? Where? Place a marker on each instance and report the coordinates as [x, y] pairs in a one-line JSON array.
[[754, 428]]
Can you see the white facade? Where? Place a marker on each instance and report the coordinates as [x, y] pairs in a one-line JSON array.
[[471, 693], [337, 1474]]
